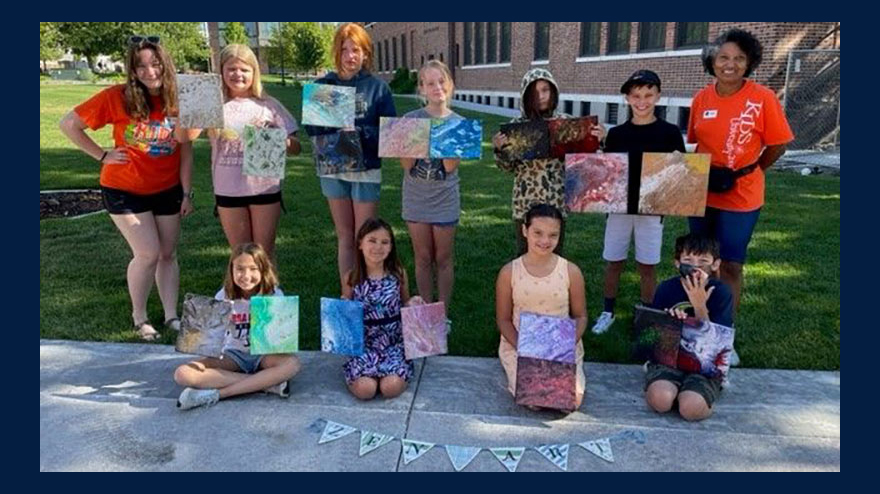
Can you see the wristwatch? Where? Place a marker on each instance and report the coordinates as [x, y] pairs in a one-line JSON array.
[[189, 195]]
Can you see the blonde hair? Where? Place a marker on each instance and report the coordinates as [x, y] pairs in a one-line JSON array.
[[360, 36], [268, 276], [449, 84], [246, 55]]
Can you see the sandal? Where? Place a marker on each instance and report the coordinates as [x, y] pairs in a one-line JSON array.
[[173, 324], [146, 331]]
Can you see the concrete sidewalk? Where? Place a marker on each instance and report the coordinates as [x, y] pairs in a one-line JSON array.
[[112, 407]]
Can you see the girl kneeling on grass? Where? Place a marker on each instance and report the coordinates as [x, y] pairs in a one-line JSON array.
[[542, 282], [379, 281], [208, 380]]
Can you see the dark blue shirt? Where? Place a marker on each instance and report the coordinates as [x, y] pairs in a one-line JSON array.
[[671, 295]]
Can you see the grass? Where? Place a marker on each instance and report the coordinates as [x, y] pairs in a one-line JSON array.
[[789, 318]]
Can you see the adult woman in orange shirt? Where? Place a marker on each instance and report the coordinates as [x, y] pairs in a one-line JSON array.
[[146, 177]]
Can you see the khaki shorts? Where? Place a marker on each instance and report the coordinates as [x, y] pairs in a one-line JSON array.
[[507, 354]]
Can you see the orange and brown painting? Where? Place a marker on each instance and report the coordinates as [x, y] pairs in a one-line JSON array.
[[674, 184]]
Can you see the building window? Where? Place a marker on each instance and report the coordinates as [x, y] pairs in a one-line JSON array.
[[652, 36], [510, 103], [379, 56], [412, 48], [585, 108], [660, 112], [467, 43], [423, 61], [479, 100], [611, 117], [394, 45], [491, 42], [478, 42], [403, 60], [387, 57], [590, 32], [505, 42], [441, 56], [618, 37], [684, 114], [691, 34], [569, 107], [542, 41]]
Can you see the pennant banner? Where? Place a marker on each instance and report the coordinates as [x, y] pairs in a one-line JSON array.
[[334, 431], [556, 453], [461, 456], [509, 457], [600, 448], [372, 440], [414, 449]]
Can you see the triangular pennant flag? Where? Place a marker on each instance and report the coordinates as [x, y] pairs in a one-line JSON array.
[[509, 457], [461, 456], [556, 453], [600, 448], [372, 440], [333, 431], [414, 449]]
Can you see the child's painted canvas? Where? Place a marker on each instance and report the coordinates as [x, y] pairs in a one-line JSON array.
[[265, 152], [546, 337], [545, 383], [204, 325], [572, 136], [526, 140], [404, 137], [596, 183], [705, 348], [338, 152], [657, 336], [274, 325], [325, 105], [342, 326], [200, 99], [424, 330], [674, 184], [456, 138]]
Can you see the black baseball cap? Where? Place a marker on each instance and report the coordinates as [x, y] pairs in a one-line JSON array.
[[642, 78]]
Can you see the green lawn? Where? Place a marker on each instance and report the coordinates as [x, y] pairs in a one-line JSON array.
[[790, 314]]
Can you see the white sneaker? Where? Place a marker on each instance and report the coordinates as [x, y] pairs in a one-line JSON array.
[[192, 397], [281, 389], [603, 323], [734, 358]]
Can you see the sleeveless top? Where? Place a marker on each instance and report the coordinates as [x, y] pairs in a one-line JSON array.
[[546, 295]]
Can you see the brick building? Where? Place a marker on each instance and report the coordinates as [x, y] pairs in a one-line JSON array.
[[590, 60]]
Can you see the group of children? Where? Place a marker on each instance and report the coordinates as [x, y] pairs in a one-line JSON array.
[[539, 280]]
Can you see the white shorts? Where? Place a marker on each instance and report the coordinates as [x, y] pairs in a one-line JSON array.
[[648, 232]]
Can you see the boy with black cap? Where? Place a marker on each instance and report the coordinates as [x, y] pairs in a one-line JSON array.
[[643, 132]]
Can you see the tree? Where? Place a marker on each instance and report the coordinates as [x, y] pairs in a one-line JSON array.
[[309, 47], [328, 31], [49, 43], [183, 41], [90, 39], [281, 47], [235, 32]]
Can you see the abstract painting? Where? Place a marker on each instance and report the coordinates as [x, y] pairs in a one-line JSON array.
[[274, 325], [657, 336], [546, 337], [596, 183], [265, 152], [544, 383], [705, 348], [204, 325], [526, 140], [338, 152], [342, 326], [456, 138], [572, 136], [674, 184], [404, 137], [200, 99], [424, 330], [325, 105]]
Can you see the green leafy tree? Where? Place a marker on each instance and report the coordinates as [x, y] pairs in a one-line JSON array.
[[309, 47], [328, 30], [50, 48], [184, 41], [90, 39], [234, 32], [281, 48]]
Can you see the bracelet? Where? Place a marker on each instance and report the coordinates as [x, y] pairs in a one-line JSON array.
[[103, 156]]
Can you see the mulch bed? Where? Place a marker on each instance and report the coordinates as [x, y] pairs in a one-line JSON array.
[[69, 204]]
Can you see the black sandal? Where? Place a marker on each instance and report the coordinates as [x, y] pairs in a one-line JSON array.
[[146, 335], [173, 324]]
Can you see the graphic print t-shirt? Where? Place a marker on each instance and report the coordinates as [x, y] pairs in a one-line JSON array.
[[153, 152]]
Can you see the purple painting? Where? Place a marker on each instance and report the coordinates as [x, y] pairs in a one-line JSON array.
[[544, 383], [546, 337], [424, 330], [705, 348]]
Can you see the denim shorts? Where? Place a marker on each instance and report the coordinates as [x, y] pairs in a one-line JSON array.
[[334, 188], [249, 364], [732, 229]]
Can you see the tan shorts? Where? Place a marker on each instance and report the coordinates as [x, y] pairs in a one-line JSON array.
[[507, 354]]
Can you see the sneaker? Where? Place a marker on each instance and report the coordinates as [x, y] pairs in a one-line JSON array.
[[734, 358], [192, 397], [281, 389], [603, 323]]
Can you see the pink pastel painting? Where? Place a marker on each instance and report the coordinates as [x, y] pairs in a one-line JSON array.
[[424, 330]]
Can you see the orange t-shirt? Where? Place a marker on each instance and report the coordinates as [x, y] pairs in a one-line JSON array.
[[153, 153], [734, 130]]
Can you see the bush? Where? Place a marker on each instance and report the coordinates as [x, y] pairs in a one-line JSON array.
[[404, 81]]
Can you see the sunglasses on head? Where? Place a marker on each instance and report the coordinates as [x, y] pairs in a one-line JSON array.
[[137, 40]]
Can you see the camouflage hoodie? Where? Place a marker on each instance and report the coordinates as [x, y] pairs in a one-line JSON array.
[[541, 180]]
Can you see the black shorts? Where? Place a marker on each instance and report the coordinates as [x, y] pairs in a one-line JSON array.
[[245, 201], [709, 389], [164, 203]]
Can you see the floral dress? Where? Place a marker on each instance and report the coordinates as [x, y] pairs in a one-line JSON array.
[[383, 335]]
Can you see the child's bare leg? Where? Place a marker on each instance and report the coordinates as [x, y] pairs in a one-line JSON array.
[[660, 395], [208, 373], [648, 281], [392, 386], [273, 370], [692, 406], [364, 388], [578, 400]]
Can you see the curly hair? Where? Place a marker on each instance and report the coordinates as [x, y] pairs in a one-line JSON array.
[[137, 102], [746, 42]]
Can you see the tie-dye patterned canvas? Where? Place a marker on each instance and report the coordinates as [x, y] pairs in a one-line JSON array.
[[424, 330], [674, 184], [200, 99], [338, 152], [342, 326], [705, 348], [274, 325], [528, 140], [545, 383], [572, 136], [404, 137], [596, 183], [325, 105], [546, 337], [203, 325], [456, 138]]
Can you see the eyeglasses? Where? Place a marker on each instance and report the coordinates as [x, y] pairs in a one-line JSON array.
[[138, 40]]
